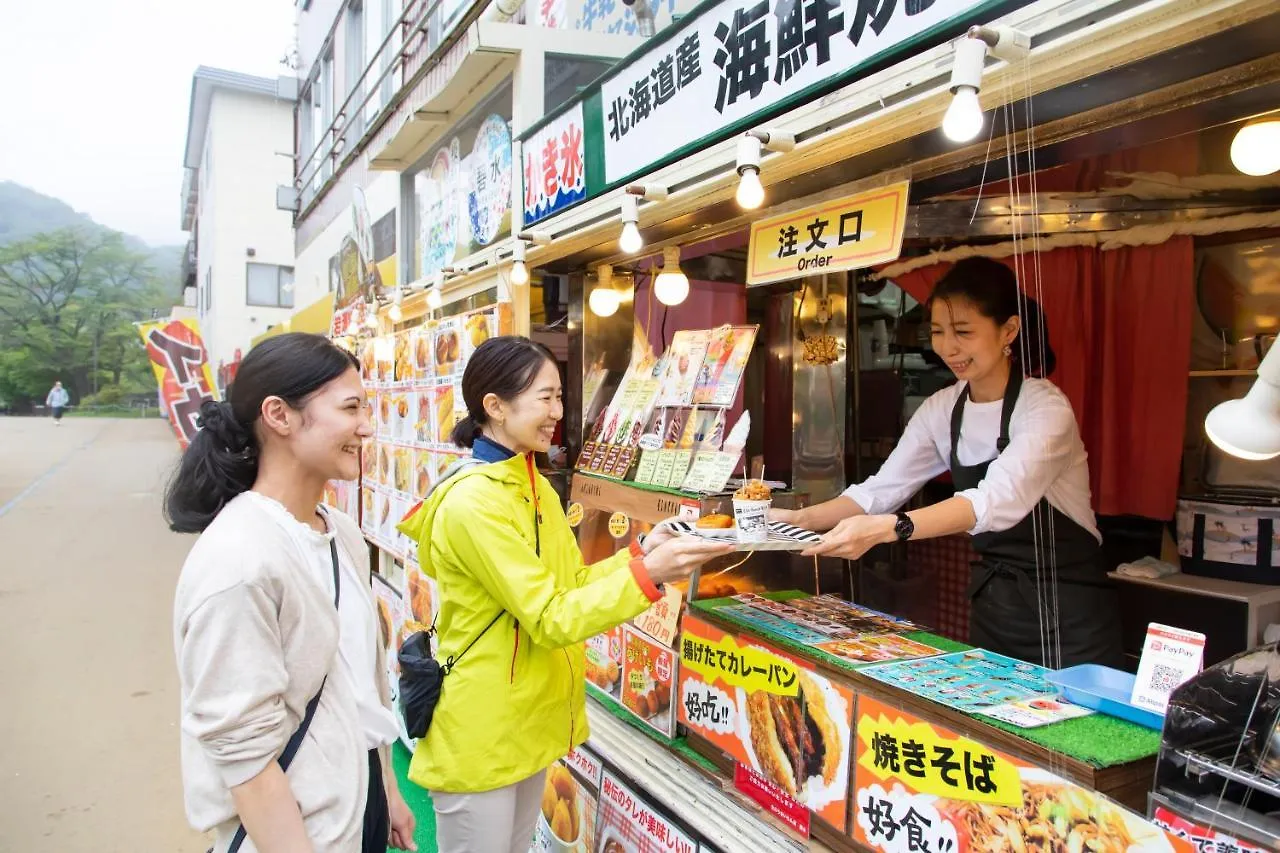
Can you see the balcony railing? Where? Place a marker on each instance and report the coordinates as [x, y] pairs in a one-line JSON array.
[[414, 41]]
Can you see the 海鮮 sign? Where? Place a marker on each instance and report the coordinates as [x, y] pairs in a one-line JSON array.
[[743, 57]]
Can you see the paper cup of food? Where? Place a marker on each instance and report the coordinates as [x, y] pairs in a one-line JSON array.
[[561, 817], [751, 505]]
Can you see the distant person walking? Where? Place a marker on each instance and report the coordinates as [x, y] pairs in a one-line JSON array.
[[57, 400]]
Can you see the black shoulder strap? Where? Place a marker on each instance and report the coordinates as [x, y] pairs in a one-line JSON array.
[[1011, 391], [957, 417], [291, 748]]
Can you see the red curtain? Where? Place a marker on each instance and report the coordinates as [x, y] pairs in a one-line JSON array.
[[1120, 325]]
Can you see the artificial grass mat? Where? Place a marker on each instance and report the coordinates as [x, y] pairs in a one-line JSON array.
[[1097, 739]]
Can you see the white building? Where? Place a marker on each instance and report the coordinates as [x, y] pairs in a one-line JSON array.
[[239, 263], [405, 117]]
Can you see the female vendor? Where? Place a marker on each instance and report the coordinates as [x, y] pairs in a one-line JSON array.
[[1020, 471]]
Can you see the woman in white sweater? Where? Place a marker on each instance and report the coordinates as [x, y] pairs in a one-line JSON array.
[[286, 715]]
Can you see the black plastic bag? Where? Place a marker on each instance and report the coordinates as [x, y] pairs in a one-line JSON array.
[[421, 678]]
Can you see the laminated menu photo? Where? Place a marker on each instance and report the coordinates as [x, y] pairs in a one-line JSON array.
[[688, 349], [771, 712], [604, 663], [648, 680], [570, 799], [726, 360]]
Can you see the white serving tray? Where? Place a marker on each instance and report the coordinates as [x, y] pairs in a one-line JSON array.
[[782, 537]]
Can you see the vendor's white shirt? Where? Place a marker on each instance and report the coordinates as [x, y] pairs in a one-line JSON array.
[[357, 631], [1045, 458]]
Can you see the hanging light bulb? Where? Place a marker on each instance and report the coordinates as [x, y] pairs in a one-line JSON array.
[[672, 285], [750, 194], [396, 314], [751, 145], [630, 240], [1256, 148], [371, 315], [963, 121], [604, 301], [434, 299], [519, 272]]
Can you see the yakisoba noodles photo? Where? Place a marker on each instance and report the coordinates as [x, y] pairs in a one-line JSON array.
[[1055, 817]]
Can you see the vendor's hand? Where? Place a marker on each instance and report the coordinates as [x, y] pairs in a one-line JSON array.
[[675, 559], [403, 821], [855, 536]]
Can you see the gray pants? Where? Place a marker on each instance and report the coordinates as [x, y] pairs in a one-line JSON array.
[[498, 821]]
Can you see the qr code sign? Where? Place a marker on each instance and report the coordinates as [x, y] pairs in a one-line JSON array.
[[1165, 678]]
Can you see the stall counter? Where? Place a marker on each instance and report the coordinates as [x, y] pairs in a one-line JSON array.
[[885, 755]]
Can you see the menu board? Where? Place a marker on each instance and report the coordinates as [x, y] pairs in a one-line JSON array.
[[630, 822], [1203, 839], [604, 663], [343, 496], [414, 381], [570, 801], [649, 680], [395, 623], [771, 712], [971, 681], [919, 786], [723, 365], [688, 351], [831, 625], [677, 402]]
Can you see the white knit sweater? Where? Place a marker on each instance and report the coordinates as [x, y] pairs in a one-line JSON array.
[[255, 635]]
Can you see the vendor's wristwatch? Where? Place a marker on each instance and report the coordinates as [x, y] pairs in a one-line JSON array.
[[904, 527]]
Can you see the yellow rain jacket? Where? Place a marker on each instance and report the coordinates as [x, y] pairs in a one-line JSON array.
[[516, 701]]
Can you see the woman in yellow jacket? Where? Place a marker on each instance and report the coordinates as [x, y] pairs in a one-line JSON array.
[[512, 581]]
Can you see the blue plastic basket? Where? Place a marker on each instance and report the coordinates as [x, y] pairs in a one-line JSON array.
[[1106, 690]]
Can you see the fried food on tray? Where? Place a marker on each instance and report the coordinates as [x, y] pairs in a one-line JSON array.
[[754, 490], [794, 737], [716, 521]]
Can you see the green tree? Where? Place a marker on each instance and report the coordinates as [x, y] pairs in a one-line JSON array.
[[68, 300]]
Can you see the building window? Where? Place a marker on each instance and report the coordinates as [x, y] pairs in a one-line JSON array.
[[326, 105], [354, 50], [269, 285]]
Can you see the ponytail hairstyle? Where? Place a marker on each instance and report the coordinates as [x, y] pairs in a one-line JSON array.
[[222, 459], [504, 366], [992, 288]]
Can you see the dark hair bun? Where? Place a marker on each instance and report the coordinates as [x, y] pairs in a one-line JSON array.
[[218, 419]]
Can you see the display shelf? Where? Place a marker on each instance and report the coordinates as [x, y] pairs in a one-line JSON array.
[[703, 801], [1105, 754]]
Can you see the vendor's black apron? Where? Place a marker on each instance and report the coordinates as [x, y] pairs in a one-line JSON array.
[[1005, 613]]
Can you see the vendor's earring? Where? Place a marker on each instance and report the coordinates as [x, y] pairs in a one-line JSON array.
[[1008, 350]]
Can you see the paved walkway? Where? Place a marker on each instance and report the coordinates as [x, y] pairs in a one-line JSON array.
[[88, 734]]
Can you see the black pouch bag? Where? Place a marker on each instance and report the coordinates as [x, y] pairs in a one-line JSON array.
[[422, 676]]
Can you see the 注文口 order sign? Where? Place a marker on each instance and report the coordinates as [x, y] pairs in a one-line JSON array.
[[850, 233]]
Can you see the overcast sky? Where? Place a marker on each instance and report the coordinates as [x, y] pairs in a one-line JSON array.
[[93, 103]]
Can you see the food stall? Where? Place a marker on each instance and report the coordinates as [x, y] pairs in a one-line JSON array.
[[873, 726]]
